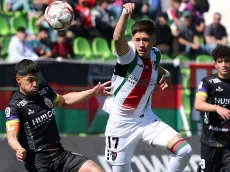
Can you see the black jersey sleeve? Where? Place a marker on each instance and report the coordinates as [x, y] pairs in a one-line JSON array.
[[203, 87], [53, 95], [12, 115]]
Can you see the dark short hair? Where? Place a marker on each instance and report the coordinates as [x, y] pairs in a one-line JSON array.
[[61, 33], [221, 51], [178, 1], [25, 67], [147, 26], [43, 29], [21, 29], [165, 16], [217, 13], [102, 1]]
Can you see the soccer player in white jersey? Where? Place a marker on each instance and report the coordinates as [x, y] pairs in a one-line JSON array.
[[131, 117]]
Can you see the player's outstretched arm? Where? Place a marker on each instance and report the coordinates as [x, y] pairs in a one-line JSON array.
[[121, 45], [12, 130], [76, 97]]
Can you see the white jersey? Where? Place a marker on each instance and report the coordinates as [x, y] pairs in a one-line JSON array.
[[133, 82]]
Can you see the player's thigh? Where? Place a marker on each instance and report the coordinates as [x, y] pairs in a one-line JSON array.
[[160, 134], [44, 167], [90, 166], [120, 147], [210, 159], [226, 160], [70, 161]]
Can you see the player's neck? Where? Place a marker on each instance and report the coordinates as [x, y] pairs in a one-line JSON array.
[[227, 76], [23, 92]]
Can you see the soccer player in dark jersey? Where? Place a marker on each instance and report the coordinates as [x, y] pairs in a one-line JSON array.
[[213, 99], [31, 127]]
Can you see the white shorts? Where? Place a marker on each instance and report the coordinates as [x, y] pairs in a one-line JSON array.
[[122, 139]]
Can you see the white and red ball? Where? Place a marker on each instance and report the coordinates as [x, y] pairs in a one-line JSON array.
[[59, 15]]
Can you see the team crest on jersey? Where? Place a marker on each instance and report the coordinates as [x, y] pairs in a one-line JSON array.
[[7, 112], [48, 102], [114, 155]]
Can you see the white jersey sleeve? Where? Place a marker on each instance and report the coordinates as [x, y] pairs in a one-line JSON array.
[[128, 56]]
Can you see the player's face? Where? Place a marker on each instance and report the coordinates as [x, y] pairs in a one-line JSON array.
[[223, 67], [143, 43], [28, 84]]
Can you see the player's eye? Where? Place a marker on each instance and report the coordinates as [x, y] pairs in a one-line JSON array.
[[219, 61], [145, 40], [226, 60]]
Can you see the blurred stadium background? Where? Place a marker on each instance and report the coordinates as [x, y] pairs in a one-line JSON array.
[[78, 58]]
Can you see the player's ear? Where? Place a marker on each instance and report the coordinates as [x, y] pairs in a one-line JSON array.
[[215, 65], [18, 79]]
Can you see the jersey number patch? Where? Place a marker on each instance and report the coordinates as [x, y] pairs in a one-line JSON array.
[[114, 141]]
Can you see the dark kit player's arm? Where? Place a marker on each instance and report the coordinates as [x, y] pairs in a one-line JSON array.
[[12, 137], [203, 106], [76, 97]]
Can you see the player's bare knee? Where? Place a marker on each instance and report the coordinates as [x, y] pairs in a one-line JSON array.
[[90, 166]]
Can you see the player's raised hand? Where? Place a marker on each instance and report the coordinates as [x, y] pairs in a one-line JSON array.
[[165, 82], [129, 7], [102, 89], [21, 154], [223, 112]]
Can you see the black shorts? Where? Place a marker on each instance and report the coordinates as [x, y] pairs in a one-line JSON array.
[[214, 159], [66, 162]]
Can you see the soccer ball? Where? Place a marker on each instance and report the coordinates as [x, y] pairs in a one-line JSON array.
[[59, 15]]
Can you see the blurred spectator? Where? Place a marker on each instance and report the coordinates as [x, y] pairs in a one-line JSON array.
[[62, 48], [82, 25], [41, 44], [147, 8], [174, 16], [103, 21], [155, 9], [40, 5], [174, 12], [197, 15], [204, 5], [215, 33], [18, 5], [115, 8], [188, 39], [41, 22], [19, 48], [164, 36]]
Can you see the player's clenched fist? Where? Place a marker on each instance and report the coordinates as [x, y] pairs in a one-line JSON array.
[[21, 154], [128, 8]]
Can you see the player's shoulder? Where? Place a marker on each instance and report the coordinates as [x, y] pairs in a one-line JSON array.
[[156, 53], [16, 99], [43, 89], [212, 79]]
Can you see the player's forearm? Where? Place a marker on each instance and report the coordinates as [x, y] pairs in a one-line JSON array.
[[205, 107], [223, 41], [182, 41], [120, 27], [14, 143], [163, 71], [76, 97]]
